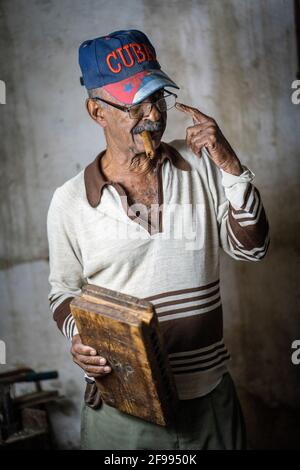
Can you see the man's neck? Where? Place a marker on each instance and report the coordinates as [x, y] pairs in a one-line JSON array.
[[117, 165]]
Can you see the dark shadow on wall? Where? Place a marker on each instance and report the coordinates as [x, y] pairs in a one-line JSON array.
[[261, 321]]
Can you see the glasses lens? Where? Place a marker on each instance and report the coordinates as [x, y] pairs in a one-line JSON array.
[[140, 110], [144, 109], [166, 103]]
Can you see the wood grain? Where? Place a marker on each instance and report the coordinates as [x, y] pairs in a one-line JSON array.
[[125, 330]]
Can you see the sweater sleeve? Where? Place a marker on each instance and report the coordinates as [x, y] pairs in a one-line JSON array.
[[66, 272], [243, 226]]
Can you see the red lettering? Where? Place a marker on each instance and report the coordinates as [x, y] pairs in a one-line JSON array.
[[120, 52], [149, 52], [137, 49], [114, 56], [141, 51]]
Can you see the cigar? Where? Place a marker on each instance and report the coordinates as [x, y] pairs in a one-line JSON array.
[[148, 144]]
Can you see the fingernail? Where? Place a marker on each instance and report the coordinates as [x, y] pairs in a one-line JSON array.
[[93, 352], [102, 361], [106, 369]]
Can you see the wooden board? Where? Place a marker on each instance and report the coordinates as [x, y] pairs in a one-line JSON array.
[[125, 330]]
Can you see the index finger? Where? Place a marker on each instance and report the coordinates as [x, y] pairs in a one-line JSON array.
[[193, 112]]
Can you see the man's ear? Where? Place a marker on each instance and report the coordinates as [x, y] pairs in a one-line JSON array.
[[95, 111]]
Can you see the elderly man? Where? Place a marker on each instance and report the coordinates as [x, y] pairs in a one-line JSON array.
[[176, 208]]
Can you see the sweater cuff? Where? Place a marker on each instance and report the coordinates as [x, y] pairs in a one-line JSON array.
[[75, 331], [62, 312], [235, 186], [64, 319], [88, 379], [228, 179]]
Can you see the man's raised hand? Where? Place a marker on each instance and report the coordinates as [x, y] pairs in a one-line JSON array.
[[206, 133]]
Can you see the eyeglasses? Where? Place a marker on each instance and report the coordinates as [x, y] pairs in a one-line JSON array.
[[137, 111]]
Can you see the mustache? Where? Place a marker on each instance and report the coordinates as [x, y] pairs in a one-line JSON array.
[[148, 126]]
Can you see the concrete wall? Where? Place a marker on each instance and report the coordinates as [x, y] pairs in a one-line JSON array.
[[235, 60]]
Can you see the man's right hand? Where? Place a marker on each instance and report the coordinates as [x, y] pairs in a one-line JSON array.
[[86, 357]]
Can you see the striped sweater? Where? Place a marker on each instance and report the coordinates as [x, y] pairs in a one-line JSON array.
[[95, 237]]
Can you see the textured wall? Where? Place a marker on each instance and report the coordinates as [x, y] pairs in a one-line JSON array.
[[235, 60]]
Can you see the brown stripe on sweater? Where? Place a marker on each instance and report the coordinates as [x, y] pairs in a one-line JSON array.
[[240, 249], [187, 299], [256, 196], [188, 309], [242, 211], [247, 195], [61, 312], [250, 236], [195, 332], [200, 361], [181, 291], [67, 325], [250, 212], [203, 368], [240, 256], [219, 348], [252, 255]]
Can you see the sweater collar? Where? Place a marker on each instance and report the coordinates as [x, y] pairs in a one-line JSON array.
[[95, 180]]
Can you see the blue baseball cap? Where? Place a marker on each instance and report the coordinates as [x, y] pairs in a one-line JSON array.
[[124, 63]]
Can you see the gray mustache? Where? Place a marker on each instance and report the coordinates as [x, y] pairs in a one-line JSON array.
[[148, 126]]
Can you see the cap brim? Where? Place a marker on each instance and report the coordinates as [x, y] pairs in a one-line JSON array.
[[138, 87]]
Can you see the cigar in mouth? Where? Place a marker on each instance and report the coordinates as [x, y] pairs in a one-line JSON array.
[[149, 149]]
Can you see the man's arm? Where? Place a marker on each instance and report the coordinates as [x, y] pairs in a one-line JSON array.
[[66, 280], [66, 273], [243, 225]]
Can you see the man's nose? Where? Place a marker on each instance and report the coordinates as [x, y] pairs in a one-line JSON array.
[[154, 114]]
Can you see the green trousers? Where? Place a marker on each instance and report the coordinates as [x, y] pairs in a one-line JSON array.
[[214, 421]]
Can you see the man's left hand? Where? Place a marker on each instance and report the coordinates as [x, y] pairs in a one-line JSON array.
[[206, 133]]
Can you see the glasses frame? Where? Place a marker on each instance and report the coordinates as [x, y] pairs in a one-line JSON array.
[[126, 109]]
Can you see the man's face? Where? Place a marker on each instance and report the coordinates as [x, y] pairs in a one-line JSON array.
[[124, 132]]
